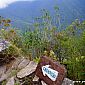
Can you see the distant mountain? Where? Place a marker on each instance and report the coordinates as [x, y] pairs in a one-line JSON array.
[[23, 13]]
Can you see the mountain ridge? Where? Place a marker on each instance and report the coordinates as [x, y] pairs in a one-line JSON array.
[[28, 11]]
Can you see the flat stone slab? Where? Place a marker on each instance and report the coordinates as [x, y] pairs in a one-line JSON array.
[[10, 81], [23, 63], [29, 69], [17, 62]]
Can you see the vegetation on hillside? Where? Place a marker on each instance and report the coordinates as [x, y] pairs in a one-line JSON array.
[[66, 46]]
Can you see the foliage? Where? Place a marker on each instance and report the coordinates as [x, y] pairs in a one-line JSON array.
[[14, 51], [4, 23], [76, 68], [67, 46], [10, 35], [47, 38], [4, 83]]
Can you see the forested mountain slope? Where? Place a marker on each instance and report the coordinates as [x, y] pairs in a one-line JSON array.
[[23, 13]]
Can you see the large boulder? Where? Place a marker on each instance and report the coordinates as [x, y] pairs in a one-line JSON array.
[[50, 71]]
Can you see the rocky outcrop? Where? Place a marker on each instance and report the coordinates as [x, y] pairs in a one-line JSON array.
[[20, 68], [22, 72], [25, 72]]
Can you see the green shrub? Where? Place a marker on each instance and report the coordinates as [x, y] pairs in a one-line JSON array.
[[76, 68], [14, 51]]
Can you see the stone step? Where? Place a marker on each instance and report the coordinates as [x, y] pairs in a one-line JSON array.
[[29, 69]]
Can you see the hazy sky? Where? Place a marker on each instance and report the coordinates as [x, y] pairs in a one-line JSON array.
[[5, 3]]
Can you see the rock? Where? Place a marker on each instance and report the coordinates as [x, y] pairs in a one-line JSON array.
[[3, 77], [50, 72], [35, 79], [2, 70], [67, 81], [29, 69], [43, 83], [17, 62], [4, 44], [10, 81], [23, 63]]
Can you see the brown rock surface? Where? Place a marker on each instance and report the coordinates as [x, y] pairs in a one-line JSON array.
[[53, 65]]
